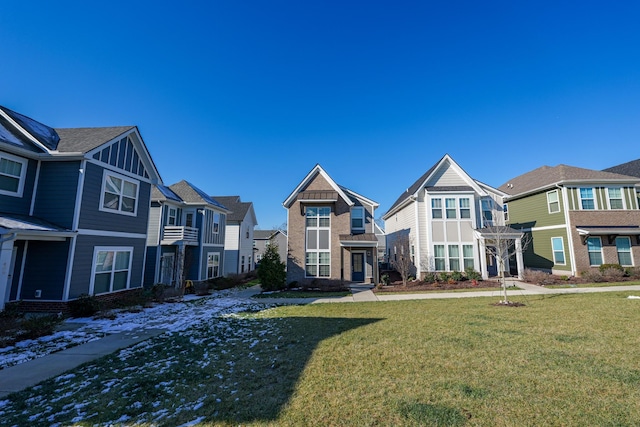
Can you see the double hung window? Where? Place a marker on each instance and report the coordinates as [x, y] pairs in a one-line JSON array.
[[357, 218], [439, 257], [436, 208], [465, 208], [213, 265], [557, 246], [454, 258], [12, 175], [450, 205], [615, 198], [553, 201], [587, 200], [623, 247], [594, 248], [111, 269]]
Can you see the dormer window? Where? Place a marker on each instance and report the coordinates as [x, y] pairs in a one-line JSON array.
[[357, 218]]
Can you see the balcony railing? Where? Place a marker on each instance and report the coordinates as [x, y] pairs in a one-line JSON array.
[[173, 234]]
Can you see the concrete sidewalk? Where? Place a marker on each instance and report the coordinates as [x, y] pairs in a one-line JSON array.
[[19, 377]]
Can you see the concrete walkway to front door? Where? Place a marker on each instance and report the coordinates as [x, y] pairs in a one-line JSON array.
[[362, 292]]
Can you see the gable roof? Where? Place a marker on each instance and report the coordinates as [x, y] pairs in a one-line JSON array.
[[317, 169], [191, 194], [83, 140], [548, 176], [266, 234], [631, 168], [421, 182], [238, 208]]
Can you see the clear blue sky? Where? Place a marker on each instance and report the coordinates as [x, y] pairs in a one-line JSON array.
[[246, 97]]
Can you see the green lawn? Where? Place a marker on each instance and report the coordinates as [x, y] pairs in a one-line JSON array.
[[592, 285], [569, 360]]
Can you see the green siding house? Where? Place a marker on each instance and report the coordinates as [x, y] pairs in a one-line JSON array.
[[578, 219]]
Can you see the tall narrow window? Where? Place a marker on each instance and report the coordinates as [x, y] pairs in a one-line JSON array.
[[318, 252], [357, 218], [557, 246], [467, 255], [465, 208], [450, 205], [213, 265], [12, 173], [172, 216], [111, 269], [623, 246], [553, 201], [615, 198], [216, 223], [436, 208], [587, 202], [594, 247], [487, 212], [454, 258], [439, 257], [505, 211]]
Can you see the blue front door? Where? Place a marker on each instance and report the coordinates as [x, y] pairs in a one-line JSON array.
[[357, 267]]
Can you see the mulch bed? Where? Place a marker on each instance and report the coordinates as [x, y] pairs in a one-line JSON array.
[[395, 285]]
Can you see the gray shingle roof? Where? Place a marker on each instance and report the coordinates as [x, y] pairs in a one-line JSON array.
[[238, 209], [161, 192], [74, 140], [547, 176], [631, 168], [192, 194]]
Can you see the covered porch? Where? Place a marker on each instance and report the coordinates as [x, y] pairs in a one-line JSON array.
[[500, 243], [358, 258]]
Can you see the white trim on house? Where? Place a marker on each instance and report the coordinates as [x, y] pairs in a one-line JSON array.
[[114, 249], [24, 164], [106, 233], [108, 173], [35, 188], [79, 190], [622, 197]]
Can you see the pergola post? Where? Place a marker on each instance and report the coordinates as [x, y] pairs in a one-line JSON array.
[[519, 258], [483, 258]]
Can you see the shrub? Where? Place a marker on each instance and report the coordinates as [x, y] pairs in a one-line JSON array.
[[471, 274], [633, 272], [613, 274], [594, 276], [535, 276], [605, 267], [443, 276], [84, 306], [457, 276], [430, 277], [385, 279], [272, 272]]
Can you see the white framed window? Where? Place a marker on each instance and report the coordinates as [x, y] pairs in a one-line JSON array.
[[467, 256], [587, 199], [436, 208], [614, 198], [454, 258], [172, 216], [119, 194], [12, 175], [553, 201], [623, 247], [557, 245], [439, 257], [213, 265], [111, 269], [216, 223], [318, 241], [465, 208], [594, 248], [450, 207], [357, 218], [487, 211]]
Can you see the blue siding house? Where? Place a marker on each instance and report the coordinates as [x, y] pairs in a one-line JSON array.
[[186, 235], [74, 210]]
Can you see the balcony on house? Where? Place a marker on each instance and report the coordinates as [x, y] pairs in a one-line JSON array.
[[173, 234]]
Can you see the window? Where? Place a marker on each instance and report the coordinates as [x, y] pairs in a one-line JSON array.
[[614, 195], [242, 264], [465, 209], [454, 258], [594, 247], [213, 265], [216, 223], [436, 208], [553, 201], [623, 246], [318, 252], [188, 222], [172, 216], [357, 218], [12, 175], [505, 211], [450, 205], [439, 257], [467, 256], [557, 245], [487, 212], [587, 201], [111, 269], [413, 255], [119, 194]]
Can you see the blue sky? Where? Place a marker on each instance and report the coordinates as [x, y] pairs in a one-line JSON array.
[[246, 97]]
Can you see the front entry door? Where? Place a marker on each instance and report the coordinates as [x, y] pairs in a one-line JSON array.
[[357, 267]]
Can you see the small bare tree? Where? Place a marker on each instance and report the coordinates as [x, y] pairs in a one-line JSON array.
[[401, 257], [502, 245]]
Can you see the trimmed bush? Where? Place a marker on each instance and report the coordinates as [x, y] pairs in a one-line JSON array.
[[605, 267], [613, 274], [536, 276], [84, 306]]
